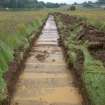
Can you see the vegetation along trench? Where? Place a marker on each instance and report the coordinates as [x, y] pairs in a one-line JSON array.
[[46, 79]]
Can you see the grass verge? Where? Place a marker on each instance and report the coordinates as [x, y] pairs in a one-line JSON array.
[[90, 70]]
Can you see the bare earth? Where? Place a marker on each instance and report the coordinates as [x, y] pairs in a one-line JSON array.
[[46, 80]]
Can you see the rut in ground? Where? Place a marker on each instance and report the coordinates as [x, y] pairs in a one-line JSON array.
[[46, 80]]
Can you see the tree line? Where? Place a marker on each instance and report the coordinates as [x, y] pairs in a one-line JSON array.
[[27, 4], [92, 4], [101, 2]]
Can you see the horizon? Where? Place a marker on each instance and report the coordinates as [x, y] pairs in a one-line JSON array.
[[67, 1]]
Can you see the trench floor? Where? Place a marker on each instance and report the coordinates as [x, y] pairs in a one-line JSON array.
[[46, 79]]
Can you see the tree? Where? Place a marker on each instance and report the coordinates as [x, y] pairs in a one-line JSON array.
[[101, 1], [27, 4], [52, 5], [73, 8], [41, 4], [87, 4], [90, 2], [12, 4], [4, 3], [75, 3]]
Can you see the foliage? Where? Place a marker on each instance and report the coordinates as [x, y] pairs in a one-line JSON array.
[[72, 8], [101, 1], [96, 17], [27, 4]]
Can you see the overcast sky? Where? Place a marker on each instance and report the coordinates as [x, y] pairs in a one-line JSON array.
[[66, 1]]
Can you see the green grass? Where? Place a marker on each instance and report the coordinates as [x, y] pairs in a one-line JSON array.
[[95, 17], [15, 32]]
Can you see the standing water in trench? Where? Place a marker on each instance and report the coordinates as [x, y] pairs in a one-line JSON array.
[[46, 80]]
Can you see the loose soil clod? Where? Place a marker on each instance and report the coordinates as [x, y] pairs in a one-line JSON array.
[[42, 57]]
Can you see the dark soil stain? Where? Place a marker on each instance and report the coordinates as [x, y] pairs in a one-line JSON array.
[[42, 56]]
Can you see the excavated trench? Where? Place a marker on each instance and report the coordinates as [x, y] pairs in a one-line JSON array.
[[46, 79]]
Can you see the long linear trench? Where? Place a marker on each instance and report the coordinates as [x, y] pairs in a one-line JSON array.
[[46, 80]]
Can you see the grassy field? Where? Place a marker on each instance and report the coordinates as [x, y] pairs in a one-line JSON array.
[[15, 32], [11, 23], [95, 17]]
